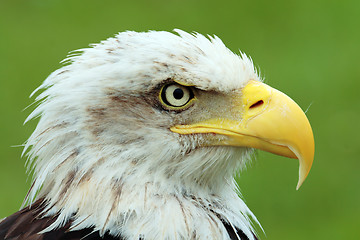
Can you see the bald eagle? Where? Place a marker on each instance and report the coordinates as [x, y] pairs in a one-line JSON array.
[[140, 136]]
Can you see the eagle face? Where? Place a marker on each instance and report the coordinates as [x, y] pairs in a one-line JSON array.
[[140, 137]]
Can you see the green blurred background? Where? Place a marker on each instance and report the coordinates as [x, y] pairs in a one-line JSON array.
[[308, 49]]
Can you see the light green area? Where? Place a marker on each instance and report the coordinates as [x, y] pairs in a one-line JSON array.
[[308, 49]]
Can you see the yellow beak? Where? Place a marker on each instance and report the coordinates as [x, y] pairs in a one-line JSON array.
[[269, 120]]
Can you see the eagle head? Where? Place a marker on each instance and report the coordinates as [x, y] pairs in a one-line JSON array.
[[140, 136]]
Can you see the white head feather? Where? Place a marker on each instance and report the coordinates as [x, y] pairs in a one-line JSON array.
[[103, 155]]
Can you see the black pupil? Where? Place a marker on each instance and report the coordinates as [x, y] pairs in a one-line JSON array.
[[178, 93]]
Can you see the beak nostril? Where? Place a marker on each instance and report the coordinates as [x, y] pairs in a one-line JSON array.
[[257, 104]]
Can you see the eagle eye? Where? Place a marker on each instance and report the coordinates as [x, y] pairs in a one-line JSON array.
[[176, 96]]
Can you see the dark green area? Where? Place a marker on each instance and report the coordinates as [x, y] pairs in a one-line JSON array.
[[308, 49]]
